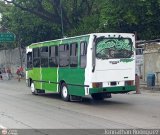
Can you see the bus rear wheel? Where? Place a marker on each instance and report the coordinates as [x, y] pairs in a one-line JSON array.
[[33, 89], [64, 92], [98, 96]]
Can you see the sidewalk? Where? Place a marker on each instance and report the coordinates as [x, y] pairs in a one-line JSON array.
[[14, 77], [151, 89], [143, 85]]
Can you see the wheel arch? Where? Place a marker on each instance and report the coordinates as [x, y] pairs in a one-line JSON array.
[[60, 84], [29, 82]]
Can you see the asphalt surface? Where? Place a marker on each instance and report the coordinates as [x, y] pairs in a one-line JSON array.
[[19, 109]]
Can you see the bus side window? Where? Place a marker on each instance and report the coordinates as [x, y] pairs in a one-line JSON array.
[[29, 60], [64, 55], [36, 57], [83, 54], [73, 55], [44, 57], [53, 56]]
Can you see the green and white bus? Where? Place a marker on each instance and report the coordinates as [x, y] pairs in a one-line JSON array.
[[96, 64]]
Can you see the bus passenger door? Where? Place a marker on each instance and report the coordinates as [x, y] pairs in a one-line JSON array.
[[36, 69], [49, 70]]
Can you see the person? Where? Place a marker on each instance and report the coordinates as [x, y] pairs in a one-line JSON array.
[[1, 78], [18, 73], [9, 73], [21, 72]]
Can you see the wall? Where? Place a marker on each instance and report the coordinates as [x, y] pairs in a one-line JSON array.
[[11, 59], [139, 65], [152, 60]]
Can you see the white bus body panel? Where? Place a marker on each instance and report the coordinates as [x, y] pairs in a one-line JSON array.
[[109, 70]]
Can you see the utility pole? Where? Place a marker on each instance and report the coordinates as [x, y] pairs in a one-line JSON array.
[[62, 27], [20, 52]]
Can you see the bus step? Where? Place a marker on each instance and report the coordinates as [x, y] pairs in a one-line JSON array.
[[75, 98], [41, 91]]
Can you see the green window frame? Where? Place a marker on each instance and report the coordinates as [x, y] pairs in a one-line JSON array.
[[64, 55], [36, 57], [83, 54], [29, 60], [74, 54], [44, 56], [53, 56]]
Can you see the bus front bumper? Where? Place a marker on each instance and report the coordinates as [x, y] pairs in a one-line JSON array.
[[117, 89]]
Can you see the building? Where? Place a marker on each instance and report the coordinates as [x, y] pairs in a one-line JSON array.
[[151, 59]]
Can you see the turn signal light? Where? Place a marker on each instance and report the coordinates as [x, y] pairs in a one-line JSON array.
[[97, 85], [129, 83]]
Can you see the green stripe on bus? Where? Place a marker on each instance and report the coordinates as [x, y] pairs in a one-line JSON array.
[[73, 76], [116, 89], [49, 74]]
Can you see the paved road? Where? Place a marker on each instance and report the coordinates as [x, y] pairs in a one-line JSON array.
[[20, 109]]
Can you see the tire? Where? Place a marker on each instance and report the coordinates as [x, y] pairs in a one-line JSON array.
[[98, 96], [64, 92], [33, 90]]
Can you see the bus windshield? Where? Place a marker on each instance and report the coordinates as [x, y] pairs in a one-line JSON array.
[[112, 48]]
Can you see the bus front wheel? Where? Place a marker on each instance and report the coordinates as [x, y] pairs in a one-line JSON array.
[[33, 89], [64, 92], [98, 96]]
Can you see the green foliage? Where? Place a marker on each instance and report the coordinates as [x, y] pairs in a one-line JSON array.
[[141, 16], [88, 25], [40, 20], [89, 21], [3, 10], [30, 28]]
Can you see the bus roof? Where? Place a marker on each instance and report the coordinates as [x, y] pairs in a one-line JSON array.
[[66, 38]]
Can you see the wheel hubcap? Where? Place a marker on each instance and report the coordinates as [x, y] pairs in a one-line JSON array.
[[64, 92], [32, 87]]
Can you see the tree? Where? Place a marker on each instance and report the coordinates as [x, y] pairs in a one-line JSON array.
[[141, 16], [28, 27], [3, 9], [89, 23], [84, 16], [52, 10]]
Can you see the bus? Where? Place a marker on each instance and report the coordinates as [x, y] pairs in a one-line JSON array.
[[95, 65]]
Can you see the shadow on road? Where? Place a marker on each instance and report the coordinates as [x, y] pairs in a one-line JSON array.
[[88, 101]]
